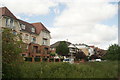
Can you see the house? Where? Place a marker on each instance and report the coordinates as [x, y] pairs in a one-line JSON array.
[[84, 48], [36, 36], [53, 46]]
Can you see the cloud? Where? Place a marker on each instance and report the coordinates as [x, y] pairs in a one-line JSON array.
[[30, 7], [80, 23], [56, 11], [90, 12]]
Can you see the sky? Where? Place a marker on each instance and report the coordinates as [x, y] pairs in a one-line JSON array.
[[93, 22]]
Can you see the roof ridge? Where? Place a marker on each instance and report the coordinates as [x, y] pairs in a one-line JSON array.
[[6, 11], [35, 22]]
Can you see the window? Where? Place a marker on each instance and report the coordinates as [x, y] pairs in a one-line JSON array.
[[27, 47], [11, 22], [33, 30], [45, 34], [23, 54], [33, 39], [14, 32], [44, 41], [22, 26], [7, 22]]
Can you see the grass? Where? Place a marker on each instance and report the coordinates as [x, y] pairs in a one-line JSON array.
[[65, 70]]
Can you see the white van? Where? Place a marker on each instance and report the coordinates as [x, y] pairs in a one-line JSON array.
[[98, 60]]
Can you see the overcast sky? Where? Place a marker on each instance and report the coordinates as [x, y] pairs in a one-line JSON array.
[[93, 22]]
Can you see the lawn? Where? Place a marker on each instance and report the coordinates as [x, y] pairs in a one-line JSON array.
[[64, 70]]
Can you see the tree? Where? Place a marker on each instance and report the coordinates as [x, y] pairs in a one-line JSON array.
[[113, 52], [52, 54], [62, 48], [11, 54], [10, 46], [80, 55]]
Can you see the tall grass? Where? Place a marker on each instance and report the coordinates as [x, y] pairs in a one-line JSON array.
[[65, 70]]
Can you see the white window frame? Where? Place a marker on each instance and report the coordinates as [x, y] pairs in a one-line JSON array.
[[23, 26], [33, 30], [7, 22], [11, 23], [44, 42]]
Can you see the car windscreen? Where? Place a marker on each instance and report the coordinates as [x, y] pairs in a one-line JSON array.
[[66, 59]]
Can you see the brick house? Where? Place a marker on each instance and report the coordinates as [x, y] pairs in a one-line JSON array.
[[36, 36]]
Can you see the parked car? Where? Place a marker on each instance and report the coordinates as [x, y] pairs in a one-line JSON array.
[[98, 60], [68, 60], [95, 60]]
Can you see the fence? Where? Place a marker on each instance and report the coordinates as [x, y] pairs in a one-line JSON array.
[[35, 59]]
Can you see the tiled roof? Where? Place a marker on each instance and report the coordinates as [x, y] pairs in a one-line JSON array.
[[4, 11], [28, 26], [58, 42], [39, 26]]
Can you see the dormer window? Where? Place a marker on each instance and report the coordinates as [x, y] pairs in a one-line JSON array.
[[33, 30], [7, 22], [22, 26], [11, 23]]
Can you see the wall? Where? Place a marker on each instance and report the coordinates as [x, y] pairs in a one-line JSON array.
[[41, 36]]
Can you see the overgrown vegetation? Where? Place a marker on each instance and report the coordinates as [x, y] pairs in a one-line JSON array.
[[113, 52], [66, 70], [10, 53], [62, 48]]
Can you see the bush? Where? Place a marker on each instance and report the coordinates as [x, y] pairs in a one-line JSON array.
[[37, 59], [62, 48], [10, 54], [28, 59], [112, 52], [52, 54]]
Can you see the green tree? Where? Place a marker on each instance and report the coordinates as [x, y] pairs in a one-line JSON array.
[[52, 54], [62, 48], [10, 46], [112, 52], [10, 54]]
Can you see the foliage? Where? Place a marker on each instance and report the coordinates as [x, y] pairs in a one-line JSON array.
[[52, 54], [62, 48], [112, 52], [80, 55], [11, 46], [66, 70], [10, 53]]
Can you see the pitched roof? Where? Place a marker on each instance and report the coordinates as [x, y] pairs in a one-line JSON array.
[[28, 26], [57, 43], [39, 26], [4, 11]]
